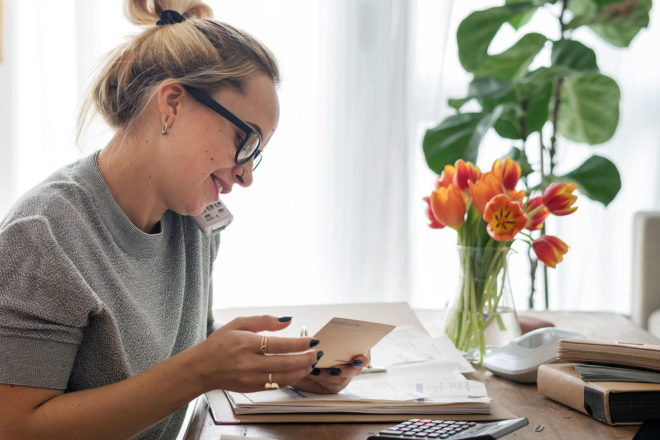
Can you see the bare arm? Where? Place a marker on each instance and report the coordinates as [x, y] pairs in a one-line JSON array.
[[228, 359]]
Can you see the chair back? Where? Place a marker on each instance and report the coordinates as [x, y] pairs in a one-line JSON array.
[[646, 267]]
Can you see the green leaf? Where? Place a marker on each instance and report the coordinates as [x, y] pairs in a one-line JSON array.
[[597, 178], [574, 55], [457, 137], [528, 103], [488, 87], [589, 110], [513, 63], [620, 30], [483, 87], [616, 22], [523, 18], [477, 30]]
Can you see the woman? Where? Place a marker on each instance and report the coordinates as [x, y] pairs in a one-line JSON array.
[[105, 281]]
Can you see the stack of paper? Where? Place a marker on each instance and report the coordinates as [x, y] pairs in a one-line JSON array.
[[607, 373], [423, 376]]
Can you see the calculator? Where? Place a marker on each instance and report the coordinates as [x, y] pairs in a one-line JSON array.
[[423, 429]]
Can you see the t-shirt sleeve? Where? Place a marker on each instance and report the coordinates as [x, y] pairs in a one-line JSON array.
[[44, 305]]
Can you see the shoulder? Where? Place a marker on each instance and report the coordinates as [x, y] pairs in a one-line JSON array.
[[63, 201], [60, 196]]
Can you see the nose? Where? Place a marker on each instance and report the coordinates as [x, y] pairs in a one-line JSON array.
[[243, 174]]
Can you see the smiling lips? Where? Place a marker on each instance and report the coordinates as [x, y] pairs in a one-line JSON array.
[[219, 185]]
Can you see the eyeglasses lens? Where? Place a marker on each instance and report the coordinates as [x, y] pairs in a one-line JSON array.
[[250, 146]]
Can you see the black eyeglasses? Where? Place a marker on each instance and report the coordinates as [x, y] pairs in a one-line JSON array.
[[249, 146]]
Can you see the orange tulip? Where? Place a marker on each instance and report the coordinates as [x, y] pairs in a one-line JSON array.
[[517, 196], [550, 250], [465, 172], [448, 206], [536, 213], [433, 222], [559, 198], [508, 172], [484, 189], [505, 218], [446, 178]]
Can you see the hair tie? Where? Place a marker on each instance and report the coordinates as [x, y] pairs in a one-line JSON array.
[[170, 17]]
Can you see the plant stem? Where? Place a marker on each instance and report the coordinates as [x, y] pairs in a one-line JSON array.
[[562, 25], [552, 151], [533, 263]]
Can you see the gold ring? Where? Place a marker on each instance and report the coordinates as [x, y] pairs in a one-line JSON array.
[[264, 344], [270, 385]]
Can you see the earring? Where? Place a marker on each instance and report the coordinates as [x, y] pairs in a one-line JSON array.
[[164, 130]]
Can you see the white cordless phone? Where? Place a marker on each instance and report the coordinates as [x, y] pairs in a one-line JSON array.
[[214, 218]]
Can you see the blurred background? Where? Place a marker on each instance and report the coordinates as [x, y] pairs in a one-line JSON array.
[[335, 213]]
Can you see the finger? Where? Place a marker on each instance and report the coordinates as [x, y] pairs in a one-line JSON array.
[[259, 323], [327, 381], [276, 344], [288, 362], [282, 378], [360, 361]]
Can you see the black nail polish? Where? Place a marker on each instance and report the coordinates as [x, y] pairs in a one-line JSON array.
[[315, 372], [314, 342], [318, 355], [314, 364], [357, 363], [284, 319], [335, 372]]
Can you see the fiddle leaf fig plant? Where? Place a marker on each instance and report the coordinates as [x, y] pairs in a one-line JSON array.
[[535, 106]]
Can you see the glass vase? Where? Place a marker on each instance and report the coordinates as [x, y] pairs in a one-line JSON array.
[[482, 314]]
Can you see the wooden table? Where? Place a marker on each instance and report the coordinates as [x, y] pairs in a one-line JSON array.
[[557, 421]]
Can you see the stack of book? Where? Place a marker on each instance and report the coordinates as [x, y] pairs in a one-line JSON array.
[[616, 383], [418, 375]]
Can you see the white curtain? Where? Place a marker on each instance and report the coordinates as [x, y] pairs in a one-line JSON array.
[[335, 212]]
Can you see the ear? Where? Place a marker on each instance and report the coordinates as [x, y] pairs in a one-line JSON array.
[[170, 99]]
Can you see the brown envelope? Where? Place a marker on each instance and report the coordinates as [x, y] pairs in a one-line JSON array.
[[342, 339]]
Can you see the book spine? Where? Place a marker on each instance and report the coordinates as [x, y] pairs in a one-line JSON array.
[[560, 385]]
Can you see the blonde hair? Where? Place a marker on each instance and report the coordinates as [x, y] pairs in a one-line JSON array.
[[198, 52]]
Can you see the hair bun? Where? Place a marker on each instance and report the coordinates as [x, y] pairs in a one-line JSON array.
[[148, 12]]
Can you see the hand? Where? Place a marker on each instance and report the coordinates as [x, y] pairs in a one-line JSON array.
[[231, 359], [332, 380]]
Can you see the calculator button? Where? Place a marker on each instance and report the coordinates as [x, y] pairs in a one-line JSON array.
[[391, 432], [434, 435], [409, 434]]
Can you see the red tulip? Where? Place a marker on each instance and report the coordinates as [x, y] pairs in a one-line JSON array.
[[448, 206], [559, 198], [465, 172], [508, 172], [536, 213], [433, 222], [505, 218], [550, 250]]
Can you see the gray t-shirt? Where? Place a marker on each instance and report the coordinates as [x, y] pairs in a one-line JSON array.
[[88, 299]]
